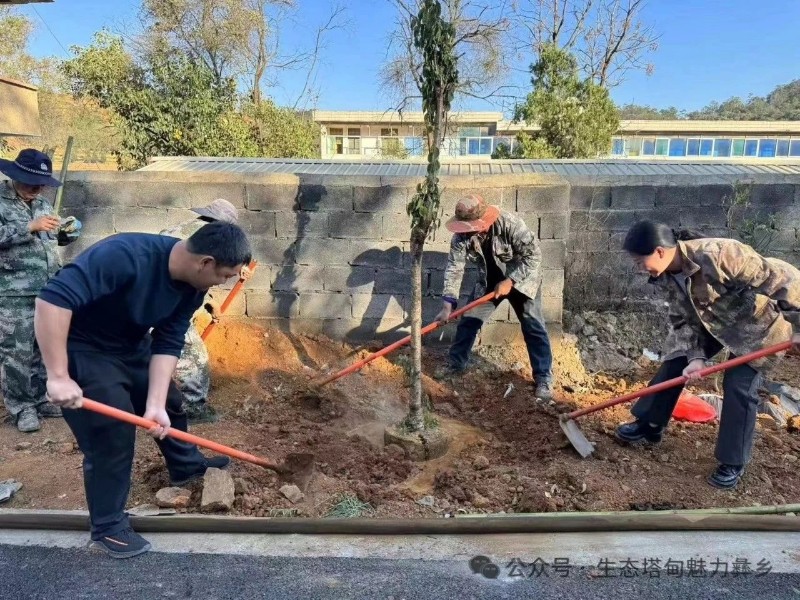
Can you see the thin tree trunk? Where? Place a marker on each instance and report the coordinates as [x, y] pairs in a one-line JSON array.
[[416, 420]]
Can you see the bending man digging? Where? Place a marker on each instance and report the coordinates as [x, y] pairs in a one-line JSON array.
[[91, 323], [509, 262]]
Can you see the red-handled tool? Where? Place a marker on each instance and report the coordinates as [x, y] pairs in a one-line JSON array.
[[398, 344], [297, 468], [585, 448], [229, 299]]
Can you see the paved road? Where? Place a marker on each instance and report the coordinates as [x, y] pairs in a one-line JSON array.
[[45, 573]]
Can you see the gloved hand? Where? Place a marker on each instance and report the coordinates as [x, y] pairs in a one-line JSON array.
[[69, 231]]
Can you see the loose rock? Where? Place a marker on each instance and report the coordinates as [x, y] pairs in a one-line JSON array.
[[426, 501], [480, 463], [479, 501], [173, 497], [218, 490], [241, 486], [292, 493], [24, 446]]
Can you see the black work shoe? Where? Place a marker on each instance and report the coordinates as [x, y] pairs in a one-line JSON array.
[[639, 432], [726, 476], [200, 412], [216, 462], [125, 544]]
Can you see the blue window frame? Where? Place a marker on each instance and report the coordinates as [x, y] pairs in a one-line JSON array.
[[767, 148], [722, 147], [662, 147], [474, 146], [648, 147], [794, 148], [677, 147], [751, 148], [618, 147], [783, 148], [486, 145], [706, 147], [693, 147]]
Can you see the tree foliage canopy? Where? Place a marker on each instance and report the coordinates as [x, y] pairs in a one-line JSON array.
[[576, 116], [171, 103]]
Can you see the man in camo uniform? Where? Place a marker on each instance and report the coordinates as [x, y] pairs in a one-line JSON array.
[[193, 374], [29, 235]]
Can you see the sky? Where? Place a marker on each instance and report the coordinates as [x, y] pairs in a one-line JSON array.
[[708, 49]]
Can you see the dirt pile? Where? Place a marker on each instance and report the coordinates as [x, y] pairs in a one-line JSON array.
[[507, 452]]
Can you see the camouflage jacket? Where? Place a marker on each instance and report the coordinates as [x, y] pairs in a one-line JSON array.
[[184, 231], [27, 260], [515, 251], [734, 297]]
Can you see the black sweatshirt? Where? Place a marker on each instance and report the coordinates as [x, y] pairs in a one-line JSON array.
[[118, 289]]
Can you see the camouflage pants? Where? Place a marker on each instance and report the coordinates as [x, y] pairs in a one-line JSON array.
[[193, 375], [23, 379]]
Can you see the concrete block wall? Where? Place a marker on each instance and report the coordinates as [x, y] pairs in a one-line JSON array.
[[333, 251], [600, 275]]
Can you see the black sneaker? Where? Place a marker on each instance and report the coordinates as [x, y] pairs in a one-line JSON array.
[[639, 432], [125, 544], [726, 476], [216, 462]]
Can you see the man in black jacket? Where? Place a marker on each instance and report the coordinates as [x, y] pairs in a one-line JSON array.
[[92, 322]]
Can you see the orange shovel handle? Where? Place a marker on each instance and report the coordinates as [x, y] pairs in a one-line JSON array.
[[392, 347], [132, 419], [229, 299], [671, 383]]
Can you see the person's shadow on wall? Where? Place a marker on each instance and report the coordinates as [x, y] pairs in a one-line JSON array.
[[393, 301]]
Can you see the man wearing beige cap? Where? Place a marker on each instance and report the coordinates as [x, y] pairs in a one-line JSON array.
[[193, 374], [509, 262]]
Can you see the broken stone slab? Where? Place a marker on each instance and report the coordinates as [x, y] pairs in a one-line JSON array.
[[173, 497], [150, 510], [292, 493], [420, 445], [218, 490], [605, 359], [8, 488]]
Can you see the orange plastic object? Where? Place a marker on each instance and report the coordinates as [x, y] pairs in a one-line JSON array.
[[694, 409], [229, 299]]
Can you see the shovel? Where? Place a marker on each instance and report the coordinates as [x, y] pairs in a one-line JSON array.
[[228, 300], [398, 344], [297, 469], [585, 447]]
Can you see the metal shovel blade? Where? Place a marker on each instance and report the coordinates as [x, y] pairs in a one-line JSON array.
[[576, 437], [298, 469]]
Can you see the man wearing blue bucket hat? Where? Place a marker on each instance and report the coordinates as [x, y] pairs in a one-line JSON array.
[[29, 235]]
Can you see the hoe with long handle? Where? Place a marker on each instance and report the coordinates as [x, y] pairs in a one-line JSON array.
[[585, 447], [398, 344]]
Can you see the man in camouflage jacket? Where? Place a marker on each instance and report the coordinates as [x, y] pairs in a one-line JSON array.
[[724, 295], [193, 373], [29, 235], [509, 262]]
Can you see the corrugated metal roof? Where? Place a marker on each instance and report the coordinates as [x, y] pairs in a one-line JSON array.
[[575, 168]]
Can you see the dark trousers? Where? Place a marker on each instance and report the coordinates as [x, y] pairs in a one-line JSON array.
[[739, 408], [108, 445], [529, 313]]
